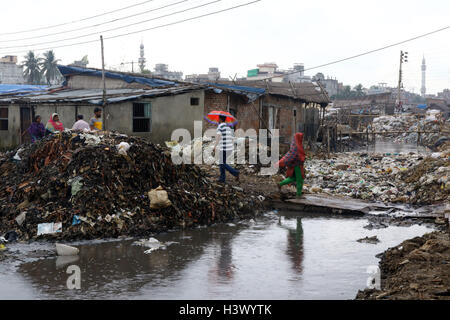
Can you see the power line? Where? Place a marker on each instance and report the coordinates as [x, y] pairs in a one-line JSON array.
[[362, 54], [113, 29], [95, 25], [76, 21], [148, 29]]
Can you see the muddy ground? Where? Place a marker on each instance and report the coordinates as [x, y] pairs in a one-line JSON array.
[[418, 268]]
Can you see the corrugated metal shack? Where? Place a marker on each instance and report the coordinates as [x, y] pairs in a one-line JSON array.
[[135, 104], [289, 107]]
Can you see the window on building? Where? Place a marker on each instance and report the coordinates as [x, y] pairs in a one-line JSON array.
[[142, 117], [195, 101], [233, 112], [3, 118]]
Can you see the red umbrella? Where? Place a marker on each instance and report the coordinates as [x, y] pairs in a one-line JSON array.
[[213, 117]]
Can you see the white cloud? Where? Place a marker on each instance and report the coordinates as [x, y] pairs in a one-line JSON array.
[[286, 32]]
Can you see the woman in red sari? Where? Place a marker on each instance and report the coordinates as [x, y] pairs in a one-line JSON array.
[[293, 161]]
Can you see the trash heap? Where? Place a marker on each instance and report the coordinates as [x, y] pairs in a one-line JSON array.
[[204, 148], [83, 186], [411, 125], [399, 177], [393, 123]]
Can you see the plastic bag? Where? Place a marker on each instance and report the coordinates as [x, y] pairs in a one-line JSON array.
[[159, 198]]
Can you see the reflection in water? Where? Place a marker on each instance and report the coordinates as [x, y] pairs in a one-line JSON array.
[[295, 245], [224, 265], [318, 259]]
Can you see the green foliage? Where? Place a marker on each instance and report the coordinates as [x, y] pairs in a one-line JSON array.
[[49, 66], [33, 69], [349, 93]]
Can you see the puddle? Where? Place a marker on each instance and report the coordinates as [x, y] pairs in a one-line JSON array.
[[311, 257]]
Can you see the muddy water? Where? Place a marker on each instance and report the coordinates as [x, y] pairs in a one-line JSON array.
[[280, 256]]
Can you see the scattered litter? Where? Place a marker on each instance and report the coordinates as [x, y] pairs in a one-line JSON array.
[[159, 198], [84, 171], [65, 250], [49, 228], [76, 220], [21, 218], [372, 240], [123, 148]]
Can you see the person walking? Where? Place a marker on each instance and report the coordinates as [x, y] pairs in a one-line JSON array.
[[294, 162], [224, 142]]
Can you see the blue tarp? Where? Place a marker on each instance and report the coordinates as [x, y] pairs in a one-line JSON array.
[[68, 71], [251, 92], [14, 88], [259, 91], [422, 106]]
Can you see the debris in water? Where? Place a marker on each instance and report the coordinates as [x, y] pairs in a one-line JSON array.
[[65, 250], [373, 240]]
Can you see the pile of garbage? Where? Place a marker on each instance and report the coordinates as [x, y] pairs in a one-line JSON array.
[[84, 186], [203, 150], [393, 123], [410, 125], [399, 177]]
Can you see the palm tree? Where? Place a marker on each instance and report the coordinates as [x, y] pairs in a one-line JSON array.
[[359, 90], [32, 66], [49, 66]]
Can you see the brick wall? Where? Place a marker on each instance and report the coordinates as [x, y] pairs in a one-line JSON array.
[[214, 101], [247, 114]]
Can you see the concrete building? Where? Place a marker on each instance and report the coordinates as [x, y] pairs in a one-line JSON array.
[[265, 71], [153, 108], [135, 105], [270, 70], [288, 107], [445, 94], [10, 71], [80, 63], [296, 74], [213, 75], [162, 71]]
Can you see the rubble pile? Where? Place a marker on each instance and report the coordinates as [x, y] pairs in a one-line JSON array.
[[411, 125], [96, 189], [204, 148], [399, 177], [393, 123], [418, 268]]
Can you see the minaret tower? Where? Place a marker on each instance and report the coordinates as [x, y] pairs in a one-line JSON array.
[[423, 90], [141, 60]]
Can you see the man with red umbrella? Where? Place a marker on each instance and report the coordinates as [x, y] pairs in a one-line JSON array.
[[224, 141]]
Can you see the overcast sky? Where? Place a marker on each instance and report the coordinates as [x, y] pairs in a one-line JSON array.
[[281, 31]]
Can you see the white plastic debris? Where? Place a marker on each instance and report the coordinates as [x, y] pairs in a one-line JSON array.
[[17, 156], [65, 250], [91, 139], [49, 228], [123, 148]]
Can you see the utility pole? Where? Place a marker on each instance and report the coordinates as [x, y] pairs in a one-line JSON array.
[[403, 58], [132, 65], [104, 84]]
